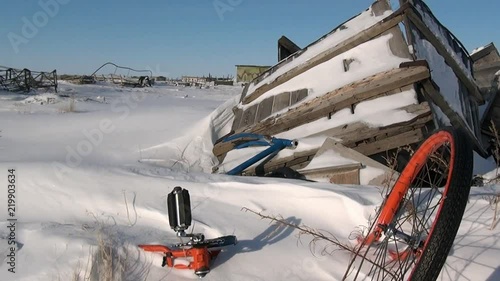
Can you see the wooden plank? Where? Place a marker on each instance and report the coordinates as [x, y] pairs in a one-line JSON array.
[[293, 161], [341, 98], [362, 37], [441, 49], [304, 153], [265, 109], [289, 161], [350, 133], [488, 66], [388, 93], [281, 101], [301, 165], [298, 95], [298, 161], [238, 115], [492, 58], [431, 91], [338, 168], [248, 117], [343, 174], [346, 177], [485, 79], [389, 143], [359, 131], [222, 148], [397, 43], [489, 52]]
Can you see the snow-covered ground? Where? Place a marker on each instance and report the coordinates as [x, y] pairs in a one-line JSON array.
[[94, 167]]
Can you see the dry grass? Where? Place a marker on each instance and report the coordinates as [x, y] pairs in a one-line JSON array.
[[392, 163], [182, 160], [494, 202], [495, 150], [109, 263], [69, 106], [110, 259], [333, 244]]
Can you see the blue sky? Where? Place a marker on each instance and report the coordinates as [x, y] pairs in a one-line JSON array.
[[181, 37]]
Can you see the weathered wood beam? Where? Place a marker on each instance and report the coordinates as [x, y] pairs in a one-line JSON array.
[[338, 168], [288, 161], [222, 148], [441, 49], [343, 174], [350, 133], [360, 38], [341, 98], [488, 66], [353, 134], [389, 143]]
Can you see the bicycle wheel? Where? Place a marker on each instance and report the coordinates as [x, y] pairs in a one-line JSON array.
[[417, 223]]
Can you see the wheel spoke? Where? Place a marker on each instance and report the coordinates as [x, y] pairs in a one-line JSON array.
[[413, 209]]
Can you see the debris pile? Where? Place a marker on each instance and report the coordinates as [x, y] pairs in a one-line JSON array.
[[16, 80], [365, 89]]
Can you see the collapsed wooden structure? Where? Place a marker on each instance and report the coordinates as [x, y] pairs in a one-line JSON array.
[[15, 80], [418, 55], [142, 78]]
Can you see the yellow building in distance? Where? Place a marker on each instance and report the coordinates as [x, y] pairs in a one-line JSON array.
[[246, 73]]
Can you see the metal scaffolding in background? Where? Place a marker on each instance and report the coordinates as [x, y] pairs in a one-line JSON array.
[[15, 80]]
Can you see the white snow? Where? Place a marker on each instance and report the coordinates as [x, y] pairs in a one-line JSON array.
[[103, 172], [492, 174], [42, 98], [329, 158], [382, 111], [331, 75]]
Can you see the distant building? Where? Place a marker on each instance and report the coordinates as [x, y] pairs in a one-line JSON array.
[[246, 73], [194, 79]]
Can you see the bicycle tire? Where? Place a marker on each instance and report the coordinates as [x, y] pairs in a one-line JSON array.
[[445, 228], [426, 250]]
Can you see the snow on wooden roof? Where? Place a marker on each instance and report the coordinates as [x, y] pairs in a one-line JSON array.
[[363, 85]]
